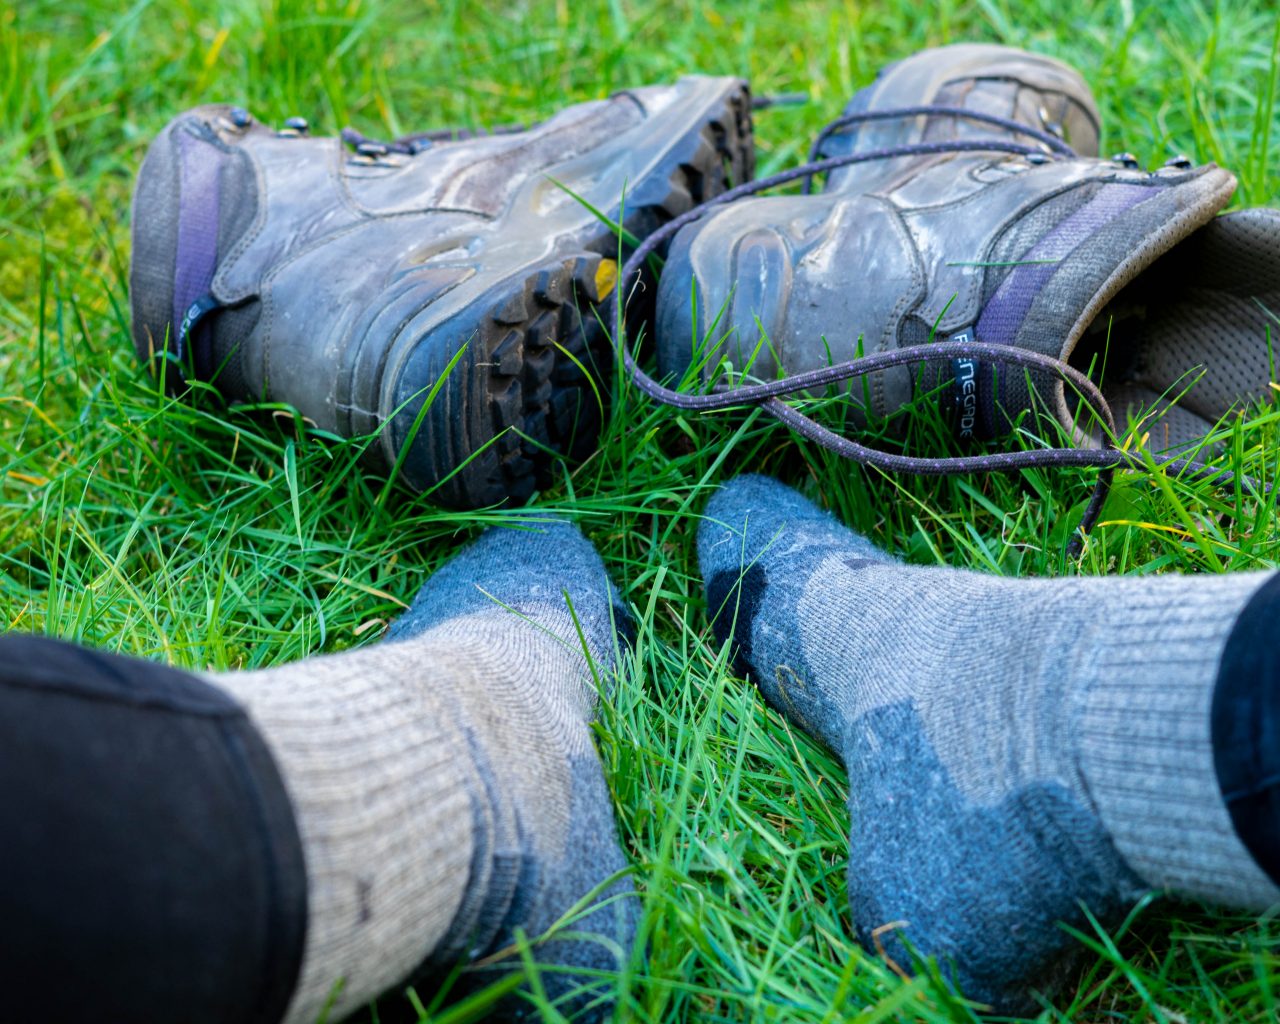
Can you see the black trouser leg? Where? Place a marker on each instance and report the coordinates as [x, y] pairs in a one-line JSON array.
[[1246, 727], [150, 866]]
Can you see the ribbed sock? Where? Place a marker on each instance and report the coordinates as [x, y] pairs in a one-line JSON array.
[[1015, 748], [445, 785]]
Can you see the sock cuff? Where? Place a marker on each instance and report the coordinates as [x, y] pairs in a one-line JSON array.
[[1146, 748], [377, 778]]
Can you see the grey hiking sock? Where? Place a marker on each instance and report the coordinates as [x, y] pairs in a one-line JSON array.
[[445, 785], [1014, 747]]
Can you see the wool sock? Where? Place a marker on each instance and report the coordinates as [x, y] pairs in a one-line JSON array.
[[445, 786], [1015, 747]]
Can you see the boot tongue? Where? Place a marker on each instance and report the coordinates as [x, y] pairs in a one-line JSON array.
[[1070, 271]]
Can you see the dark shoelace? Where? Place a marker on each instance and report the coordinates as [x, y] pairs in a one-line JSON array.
[[1052, 142], [1107, 459]]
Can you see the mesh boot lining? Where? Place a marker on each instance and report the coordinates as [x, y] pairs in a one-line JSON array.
[[1197, 322]]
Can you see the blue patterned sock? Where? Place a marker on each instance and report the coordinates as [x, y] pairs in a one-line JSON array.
[[446, 787], [1015, 748]]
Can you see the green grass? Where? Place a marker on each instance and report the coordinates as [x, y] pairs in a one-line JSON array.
[[211, 538]]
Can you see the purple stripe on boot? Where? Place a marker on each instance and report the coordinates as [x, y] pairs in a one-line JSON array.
[[197, 248], [1004, 313]]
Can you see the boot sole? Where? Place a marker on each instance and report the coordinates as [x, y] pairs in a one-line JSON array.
[[533, 384]]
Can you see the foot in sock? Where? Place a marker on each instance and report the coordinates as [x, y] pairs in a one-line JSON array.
[[445, 784], [1015, 748]]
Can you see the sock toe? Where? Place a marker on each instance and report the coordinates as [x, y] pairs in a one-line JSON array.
[[546, 563], [755, 519]]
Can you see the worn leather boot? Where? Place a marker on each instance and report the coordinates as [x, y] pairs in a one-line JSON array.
[[436, 290], [1128, 275]]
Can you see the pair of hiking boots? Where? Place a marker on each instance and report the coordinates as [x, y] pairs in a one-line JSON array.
[[449, 292]]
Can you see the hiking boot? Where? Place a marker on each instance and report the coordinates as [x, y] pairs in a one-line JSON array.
[[1022, 243], [437, 290]]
